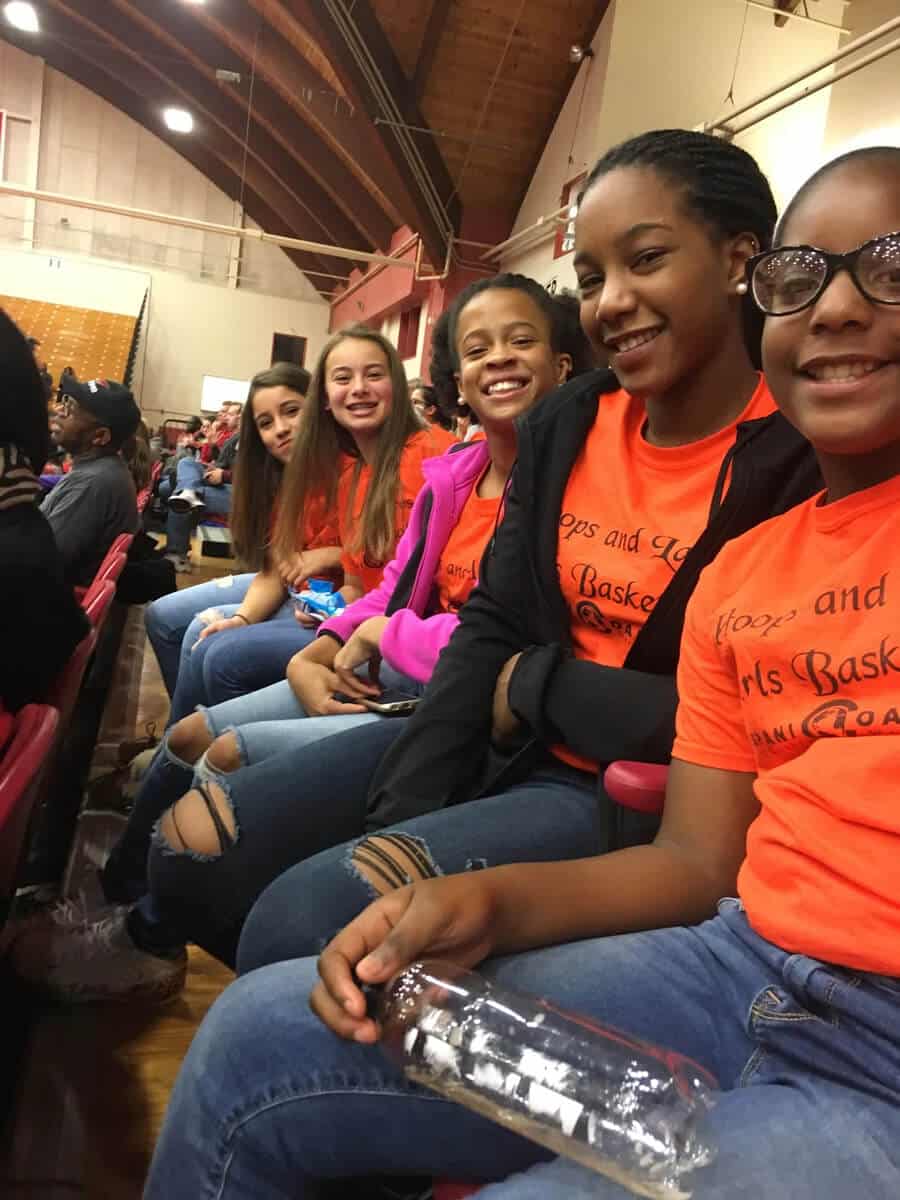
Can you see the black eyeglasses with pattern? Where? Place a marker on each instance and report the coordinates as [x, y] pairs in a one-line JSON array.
[[791, 278]]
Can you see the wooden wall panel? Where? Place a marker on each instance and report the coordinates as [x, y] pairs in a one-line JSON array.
[[95, 344]]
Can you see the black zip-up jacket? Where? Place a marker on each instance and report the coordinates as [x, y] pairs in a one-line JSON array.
[[444, 755]]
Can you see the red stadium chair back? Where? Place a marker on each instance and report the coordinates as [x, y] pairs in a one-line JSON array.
[[21, 771], [121, 545], [143, 496], [67, 685], [98, 601], [638, 786]]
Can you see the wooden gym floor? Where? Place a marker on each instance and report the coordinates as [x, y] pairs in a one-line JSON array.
[[97, 1079]]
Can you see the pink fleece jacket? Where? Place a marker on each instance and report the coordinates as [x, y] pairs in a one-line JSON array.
[[412, 640]]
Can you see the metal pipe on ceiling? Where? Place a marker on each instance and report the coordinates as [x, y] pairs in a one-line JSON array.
[[794, 16], [542, 225], [811, 89], [356, 44], [259, 235], [721, 121]]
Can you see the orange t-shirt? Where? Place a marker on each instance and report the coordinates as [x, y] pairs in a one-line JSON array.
[[457, 570], [630, 513], [425, 444], [790, 667]]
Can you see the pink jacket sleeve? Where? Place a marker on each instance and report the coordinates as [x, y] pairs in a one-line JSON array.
[[411, 644], [374, 603]]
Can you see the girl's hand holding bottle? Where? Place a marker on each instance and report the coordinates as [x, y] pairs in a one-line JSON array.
[[452, 917]]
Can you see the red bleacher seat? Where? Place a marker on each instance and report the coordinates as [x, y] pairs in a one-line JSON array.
[[635, 785], [111, 568], [67, 684], [98, 601], [21, 771], [143, 496]]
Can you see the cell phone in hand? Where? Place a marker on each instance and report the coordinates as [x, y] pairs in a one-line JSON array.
[[387, 704]]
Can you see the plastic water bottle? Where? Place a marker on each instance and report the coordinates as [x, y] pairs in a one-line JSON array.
[[620, 1106]]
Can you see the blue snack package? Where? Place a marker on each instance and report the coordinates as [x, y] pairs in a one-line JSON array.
[[318, 599]]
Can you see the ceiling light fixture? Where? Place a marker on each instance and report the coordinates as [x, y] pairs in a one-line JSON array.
[[22, 16], [179, 120]]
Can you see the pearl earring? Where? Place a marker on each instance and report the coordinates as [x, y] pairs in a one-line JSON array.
[[741, 289]]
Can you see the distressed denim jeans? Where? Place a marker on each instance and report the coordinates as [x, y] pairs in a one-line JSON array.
[[555, 814], [269, 1103]]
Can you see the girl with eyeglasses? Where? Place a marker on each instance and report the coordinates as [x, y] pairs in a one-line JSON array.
[[781, 792]]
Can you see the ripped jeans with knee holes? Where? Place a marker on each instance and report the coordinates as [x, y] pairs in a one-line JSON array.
[[168, 777], [283, 809], [558, 813]]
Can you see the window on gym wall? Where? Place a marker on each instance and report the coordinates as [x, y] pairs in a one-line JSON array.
[[288, 348], [408, 335]]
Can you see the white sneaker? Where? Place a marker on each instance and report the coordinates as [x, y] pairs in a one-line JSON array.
[[93, 962], [185, 500]]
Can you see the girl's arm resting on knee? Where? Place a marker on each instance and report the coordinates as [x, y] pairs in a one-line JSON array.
[[677, 880], [264, 597]]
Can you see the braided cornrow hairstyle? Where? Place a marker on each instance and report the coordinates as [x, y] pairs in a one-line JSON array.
[[721, 183], [561, 311]]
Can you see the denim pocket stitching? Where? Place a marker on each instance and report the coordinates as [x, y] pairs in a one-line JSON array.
[[751, 1067]]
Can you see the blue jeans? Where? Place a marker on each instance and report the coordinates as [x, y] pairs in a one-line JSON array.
[[239, 661], [217, 498], [558, 813], [167, 619], [166, 780], [287, 807], [807, 1054], [265, 724]]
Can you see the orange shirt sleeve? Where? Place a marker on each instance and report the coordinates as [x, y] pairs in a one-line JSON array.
[[427, 443], [709, 726]]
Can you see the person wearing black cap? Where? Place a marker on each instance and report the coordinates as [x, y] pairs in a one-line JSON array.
[[96, 501]]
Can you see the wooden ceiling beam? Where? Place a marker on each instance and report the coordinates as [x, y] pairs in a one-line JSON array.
[[428, 186], [431, 38], [311, 216], [287, 90], [281, 67], [273, 120]]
